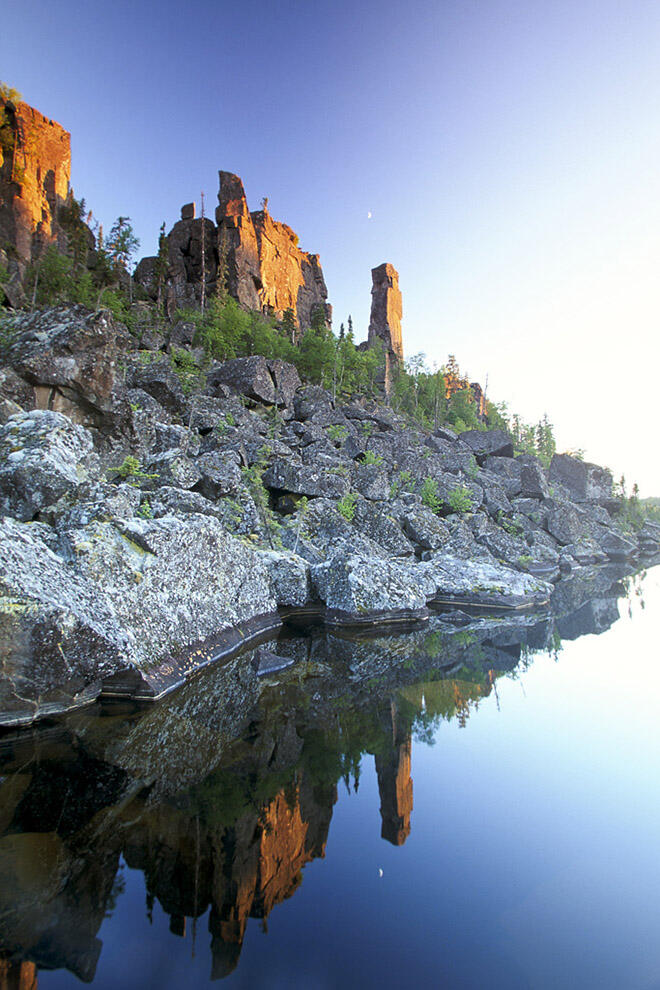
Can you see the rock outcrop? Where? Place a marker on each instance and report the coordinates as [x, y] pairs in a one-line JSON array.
[[256, 256], [385, 320], [35, 168], [149, 513]]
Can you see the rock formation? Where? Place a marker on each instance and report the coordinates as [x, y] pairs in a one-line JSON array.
[[35, 167], [257, 256], [386, 310], [385, 321]]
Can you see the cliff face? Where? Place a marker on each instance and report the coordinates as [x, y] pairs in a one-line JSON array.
[[259, 257], [386, 310], [35, 168]]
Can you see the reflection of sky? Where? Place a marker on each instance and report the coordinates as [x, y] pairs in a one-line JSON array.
[[533, 859]]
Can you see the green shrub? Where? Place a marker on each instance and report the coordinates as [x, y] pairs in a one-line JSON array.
[[403, 482], [132, 472], [346, 505], [337, 432], [460, 499], [370, 458], [430, 496]]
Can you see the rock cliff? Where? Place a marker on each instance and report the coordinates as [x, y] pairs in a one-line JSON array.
[[257, 256], [35, 168], [385, 321]]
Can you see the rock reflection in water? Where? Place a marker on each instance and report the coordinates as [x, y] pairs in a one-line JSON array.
[[223, 793]]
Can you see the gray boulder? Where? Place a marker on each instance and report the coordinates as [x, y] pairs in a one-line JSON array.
[[488, 443], [532, 478], [173, 468], [289, 576], [43, 456], [585, 482], [481, 583], [359, 586], [219, 474], [508, 471], [302, 479], [249, 376]]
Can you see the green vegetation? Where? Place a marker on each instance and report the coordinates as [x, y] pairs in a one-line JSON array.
[[430, 496], [337, 433], [370, 458], [131, 471], [346, 505], [460, 499]]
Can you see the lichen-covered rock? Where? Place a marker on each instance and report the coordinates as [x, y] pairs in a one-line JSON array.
[[289, 576], [302, 479], [488, 443], [238, 513], [171, 581], [508, 471], [565, 523], [128, 597], [173, 468], [58, 636], [69, 355], [481, 582], [422, 526], [249, 376], [219, 474], [372, 482], [93, 501], [356, 585], [43, 455], [533, 482], [160, 381], [585, 482], [375, 521]]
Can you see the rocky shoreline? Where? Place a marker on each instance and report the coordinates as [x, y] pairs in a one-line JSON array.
[[156, 520]]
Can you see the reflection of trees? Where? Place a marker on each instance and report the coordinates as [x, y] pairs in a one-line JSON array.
[[221, 804]]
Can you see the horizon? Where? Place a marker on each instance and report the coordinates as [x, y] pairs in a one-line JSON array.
[[504, 161]]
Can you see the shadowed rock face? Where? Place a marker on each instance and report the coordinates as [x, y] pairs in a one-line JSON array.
[[35, 166]]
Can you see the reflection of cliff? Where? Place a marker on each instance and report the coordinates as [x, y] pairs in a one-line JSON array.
[[240, 872], [395, 784], [221, 796]]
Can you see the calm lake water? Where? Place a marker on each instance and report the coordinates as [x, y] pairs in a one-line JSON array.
[[467, 805]]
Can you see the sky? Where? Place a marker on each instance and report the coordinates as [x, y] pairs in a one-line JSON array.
[[503, 155]]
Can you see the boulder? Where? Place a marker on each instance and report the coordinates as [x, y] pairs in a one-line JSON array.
[[68, 354], [616, 546], [372, 481], [219, 474], [249, 376], [159, 380], [374, 521], [422, 526], [488, 443], [58, 636], [508, 471], [286, 380], [585, 482], [311, 400], [358, 586], [565, 523], [43, 456], [533, 483], [302, 479], [173, 468], [478, 582], [289, 576]]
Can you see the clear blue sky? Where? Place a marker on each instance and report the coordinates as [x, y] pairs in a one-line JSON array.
[[509, 153]]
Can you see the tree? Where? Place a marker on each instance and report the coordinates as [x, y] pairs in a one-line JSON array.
[[162, 265], [121, 246], [289, 325]]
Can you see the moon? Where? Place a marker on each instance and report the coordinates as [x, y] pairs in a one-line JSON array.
[[369, 215]]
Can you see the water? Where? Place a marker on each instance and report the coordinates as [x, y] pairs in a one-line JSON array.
[[472, 806]]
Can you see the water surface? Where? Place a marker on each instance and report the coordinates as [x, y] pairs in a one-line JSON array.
[[468, 805]]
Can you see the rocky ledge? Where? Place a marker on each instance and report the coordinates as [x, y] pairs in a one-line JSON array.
[[154, 520]]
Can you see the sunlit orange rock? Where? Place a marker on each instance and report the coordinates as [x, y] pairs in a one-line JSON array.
[[35, 168]]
